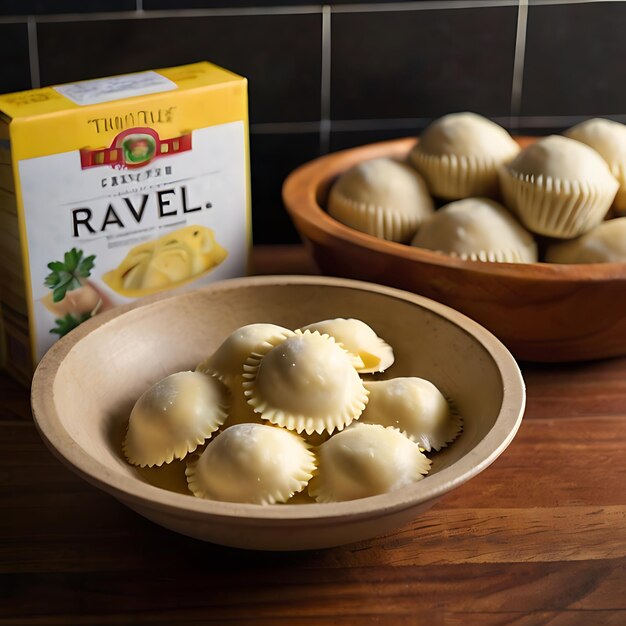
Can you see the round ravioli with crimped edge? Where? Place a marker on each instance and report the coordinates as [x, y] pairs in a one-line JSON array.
[[608, 139], [227, 361], [306, 382], [382, 197], [415, 407], [606, 243], [366, 460], [173, 417], [477, 229], [359, 339], [252, 463], [558, 187], [459, 155]]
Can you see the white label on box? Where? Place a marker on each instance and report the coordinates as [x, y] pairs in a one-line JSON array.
[[115, 88], [104, 206]]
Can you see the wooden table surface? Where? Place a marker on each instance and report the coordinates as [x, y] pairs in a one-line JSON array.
[[537, 538]]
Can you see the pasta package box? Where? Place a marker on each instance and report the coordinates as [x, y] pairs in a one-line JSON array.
[[114, 189]]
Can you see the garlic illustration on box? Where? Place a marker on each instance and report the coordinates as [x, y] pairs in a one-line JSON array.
[[72, 298]]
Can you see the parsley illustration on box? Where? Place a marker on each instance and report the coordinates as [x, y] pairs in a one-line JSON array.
[[73, 298]]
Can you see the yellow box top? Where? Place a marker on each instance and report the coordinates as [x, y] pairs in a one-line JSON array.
[[80, 95], [91, 113]]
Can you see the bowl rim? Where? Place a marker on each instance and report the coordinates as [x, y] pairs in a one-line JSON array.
[[137, 493], [300, 192]]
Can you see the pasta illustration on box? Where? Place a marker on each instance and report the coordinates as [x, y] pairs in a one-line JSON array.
[[170, 261], [117, 188]]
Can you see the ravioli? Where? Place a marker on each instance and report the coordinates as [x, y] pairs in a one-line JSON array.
[[174, 417], [608, 139], [227, 361], [359, 339], [366, 460], [415, 407], [306, 382], [251, 463], [169, 261], [382, 197], [459, 155], [558, 187], [277, 411], [478, 229], [606, 243]]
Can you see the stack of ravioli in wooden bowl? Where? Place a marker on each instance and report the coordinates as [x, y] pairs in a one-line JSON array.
[[486, 223], [296, 422]]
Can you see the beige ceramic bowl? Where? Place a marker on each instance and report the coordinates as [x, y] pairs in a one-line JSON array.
[[85, 386]]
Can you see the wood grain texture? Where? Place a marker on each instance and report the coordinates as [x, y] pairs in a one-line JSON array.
[[15, 404], [537, 539]]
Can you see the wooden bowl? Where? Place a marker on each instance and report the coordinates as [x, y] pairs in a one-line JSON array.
[[542, 312], [86, 385]]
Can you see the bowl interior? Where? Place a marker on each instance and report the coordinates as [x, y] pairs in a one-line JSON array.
[[103, 374]]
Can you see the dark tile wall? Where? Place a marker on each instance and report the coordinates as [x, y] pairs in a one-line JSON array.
[[273, 157], [205, 4], [343, 139], [575, 60], [421, 63], [328, 77], [15, 75], [40, 7]]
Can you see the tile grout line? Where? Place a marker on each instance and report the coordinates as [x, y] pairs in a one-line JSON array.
[[416, 123], [172, 14], [539, 3], [33, 53], [518, 63], [141, 13], [539, 121], [424, 5], [325, 81], [278, 128]]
